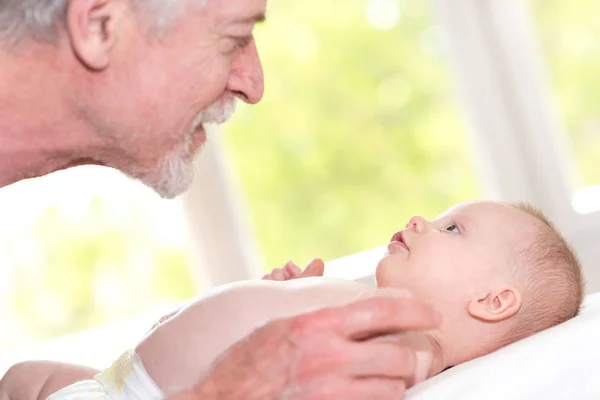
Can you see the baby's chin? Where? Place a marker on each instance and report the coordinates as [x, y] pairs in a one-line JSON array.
[[385, 282], [379, 274], [390, 273]]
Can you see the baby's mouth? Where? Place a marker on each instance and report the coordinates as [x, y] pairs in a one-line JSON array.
[[399, 237]]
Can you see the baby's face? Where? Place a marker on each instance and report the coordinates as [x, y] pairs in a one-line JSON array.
[[457, 257]]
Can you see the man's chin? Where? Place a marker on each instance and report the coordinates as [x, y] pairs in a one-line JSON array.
[[173, 186], [173, 178]]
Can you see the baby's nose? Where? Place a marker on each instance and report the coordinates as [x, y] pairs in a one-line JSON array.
[[417, 224]]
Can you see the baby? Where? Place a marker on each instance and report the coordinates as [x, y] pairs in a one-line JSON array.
[[496, 272]]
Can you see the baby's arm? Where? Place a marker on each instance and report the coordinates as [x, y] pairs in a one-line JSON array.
[[36, 380]]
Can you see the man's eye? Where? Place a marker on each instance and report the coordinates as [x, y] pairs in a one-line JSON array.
[[452, 228], [233, 44], [243, 41]]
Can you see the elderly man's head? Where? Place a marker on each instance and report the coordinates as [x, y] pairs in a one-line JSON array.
[[143, 75]]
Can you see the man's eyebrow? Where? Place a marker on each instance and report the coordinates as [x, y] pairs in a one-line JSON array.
[[256, 18]]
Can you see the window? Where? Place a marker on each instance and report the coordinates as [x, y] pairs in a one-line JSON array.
[[359, 128], [86, 247], [569, 34]]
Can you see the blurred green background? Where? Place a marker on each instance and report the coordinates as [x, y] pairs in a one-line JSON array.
[[569, 35], [359, 129]]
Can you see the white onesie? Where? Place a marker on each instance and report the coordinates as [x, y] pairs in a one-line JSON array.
[[126, 379]]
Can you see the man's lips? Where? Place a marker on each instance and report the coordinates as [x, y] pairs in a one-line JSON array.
[[399, 238]]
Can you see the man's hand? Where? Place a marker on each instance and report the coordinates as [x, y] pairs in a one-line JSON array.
[[325, 354], [291, 271]]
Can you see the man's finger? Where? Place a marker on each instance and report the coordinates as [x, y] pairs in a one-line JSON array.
[[382, 359], [388, 314], [373, 316], [357, 389], [361, 360], [375, 389]]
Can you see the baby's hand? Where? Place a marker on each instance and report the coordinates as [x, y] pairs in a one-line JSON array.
[[291, 271]]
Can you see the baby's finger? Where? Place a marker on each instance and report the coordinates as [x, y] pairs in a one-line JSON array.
[[277, 274], [315, 268], [291, 270], [287, 274], [297, 269]]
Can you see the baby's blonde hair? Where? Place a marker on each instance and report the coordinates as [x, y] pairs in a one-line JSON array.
[[552, 281]]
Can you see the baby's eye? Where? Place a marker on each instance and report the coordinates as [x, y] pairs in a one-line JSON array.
[[452, 228]]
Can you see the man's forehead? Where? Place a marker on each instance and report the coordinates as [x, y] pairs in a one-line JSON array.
[[238, 11]]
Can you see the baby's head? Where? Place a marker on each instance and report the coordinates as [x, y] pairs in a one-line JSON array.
[[496, 272]]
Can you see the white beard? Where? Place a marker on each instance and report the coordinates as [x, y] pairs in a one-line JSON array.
[[176, 171]]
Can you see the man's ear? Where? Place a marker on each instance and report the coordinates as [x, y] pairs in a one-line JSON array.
[[93, 27], [496, 305]]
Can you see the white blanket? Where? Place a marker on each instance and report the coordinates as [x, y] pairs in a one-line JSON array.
[[562, 363]]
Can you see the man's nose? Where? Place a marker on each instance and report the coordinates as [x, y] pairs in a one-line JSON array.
[[246, 80], [418, 224]]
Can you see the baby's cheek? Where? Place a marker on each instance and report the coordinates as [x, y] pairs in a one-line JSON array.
[[390, 275]]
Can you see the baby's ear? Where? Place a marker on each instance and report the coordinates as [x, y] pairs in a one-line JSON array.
[[497, 305]]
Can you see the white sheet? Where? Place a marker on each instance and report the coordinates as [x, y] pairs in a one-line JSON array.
[[562, 363]]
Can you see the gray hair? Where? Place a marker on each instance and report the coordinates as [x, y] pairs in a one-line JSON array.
[[42, 19]]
